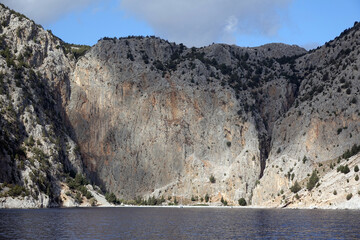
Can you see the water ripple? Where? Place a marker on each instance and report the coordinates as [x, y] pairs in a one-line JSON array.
[[176, 223]]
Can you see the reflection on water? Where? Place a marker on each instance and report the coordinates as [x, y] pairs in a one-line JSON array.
[[176, 223]]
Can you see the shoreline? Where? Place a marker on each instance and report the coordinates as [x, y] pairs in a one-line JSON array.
[[189, 207]]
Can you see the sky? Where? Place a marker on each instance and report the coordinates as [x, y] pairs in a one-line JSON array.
[[246, 23]]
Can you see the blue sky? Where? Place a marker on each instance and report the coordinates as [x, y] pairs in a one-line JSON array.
[[195, 22]]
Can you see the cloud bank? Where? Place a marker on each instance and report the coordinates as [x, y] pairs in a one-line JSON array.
[[46, 11], [201, 22], [192, 22]]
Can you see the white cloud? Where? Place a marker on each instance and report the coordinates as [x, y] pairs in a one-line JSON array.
[[192, 22], [46, 11], [201, 22]]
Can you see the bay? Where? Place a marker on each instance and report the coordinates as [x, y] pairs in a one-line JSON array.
[[178, 223]]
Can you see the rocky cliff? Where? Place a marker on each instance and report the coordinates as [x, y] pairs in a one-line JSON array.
[[37, 151], [323, 123], [141, 117]]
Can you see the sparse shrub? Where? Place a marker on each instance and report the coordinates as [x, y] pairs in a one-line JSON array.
[[355, 149], [242, 202], [357, 177], [296, 187], [304, 159], [343, 169], [130, 56], [228, 144], [349, 196], [207, 198], [312, 181], [212, 179], [335, 192], [78, 198], [356, 168], [111, 198], [159, 65], [224, 201], [16, 191], [88, 195]]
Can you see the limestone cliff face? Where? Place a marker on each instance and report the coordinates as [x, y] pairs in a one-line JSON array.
[[142, 130], [155, 118], [323, 123], [37, 150]]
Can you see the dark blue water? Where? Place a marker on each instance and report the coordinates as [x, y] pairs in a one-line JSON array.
[[178, 223]]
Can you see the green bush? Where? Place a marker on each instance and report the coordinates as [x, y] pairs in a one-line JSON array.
[[207, 198], [296, 187], [152, 201], [312, 181], [76, 50], [355, 149], [78, 182], [339, 130], [83, 190], [111, 198], [16, 191], [349, 196], [335, 192], [159, 65], [356, 168], [78, 198], [242, 202], [212, 179], [343, 169], [224, 201], [357, 177]]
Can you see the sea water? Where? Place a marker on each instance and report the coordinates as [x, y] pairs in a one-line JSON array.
[[178, 223]]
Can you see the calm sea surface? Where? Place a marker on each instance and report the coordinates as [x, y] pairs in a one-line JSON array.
[[178, 223]]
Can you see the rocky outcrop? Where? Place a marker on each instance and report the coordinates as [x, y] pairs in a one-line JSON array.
[[324, 121], [141, 129], [155, 118], [37, 150]]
